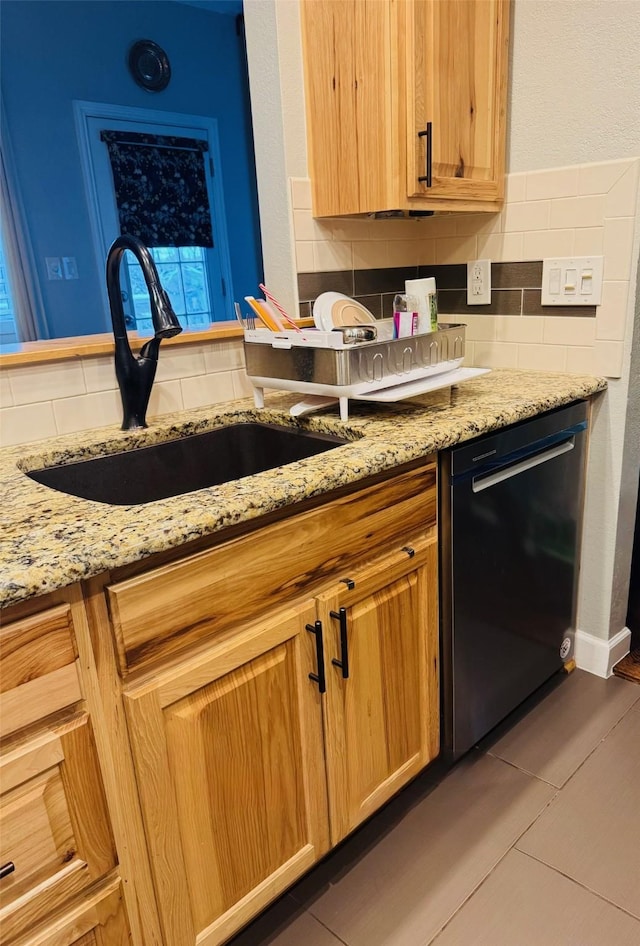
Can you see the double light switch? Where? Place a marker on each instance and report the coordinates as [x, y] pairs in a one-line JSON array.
[[576, 281]]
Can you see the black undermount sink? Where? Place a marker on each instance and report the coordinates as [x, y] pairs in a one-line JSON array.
[[180, 466]]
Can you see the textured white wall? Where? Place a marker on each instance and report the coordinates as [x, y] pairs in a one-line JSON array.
[[575, 82]]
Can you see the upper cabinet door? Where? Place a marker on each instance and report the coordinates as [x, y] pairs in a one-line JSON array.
[[381, 653], [456, 60], [228, 753], [349, 100]]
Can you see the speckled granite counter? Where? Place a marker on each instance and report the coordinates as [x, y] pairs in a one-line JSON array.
[[50, 539]]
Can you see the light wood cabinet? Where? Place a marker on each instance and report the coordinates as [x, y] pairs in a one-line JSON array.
[[228, 752], [381, 707], [56, 843], [98, 919], [405, 104]]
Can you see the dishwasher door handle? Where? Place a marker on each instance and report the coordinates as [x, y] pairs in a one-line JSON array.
[[492, 479]]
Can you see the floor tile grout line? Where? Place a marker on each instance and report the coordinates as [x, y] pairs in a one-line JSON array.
[[579, 884], [559, 788], [328, 929]]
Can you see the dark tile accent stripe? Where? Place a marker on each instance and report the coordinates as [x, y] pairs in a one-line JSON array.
[[449, 276], [515, 289], [372, 303], [516, 275], [311, 285], [533, 306], [369, 281], [503, 302], [305, 310]]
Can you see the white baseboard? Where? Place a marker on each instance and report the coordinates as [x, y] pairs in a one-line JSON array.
[[598, 656]]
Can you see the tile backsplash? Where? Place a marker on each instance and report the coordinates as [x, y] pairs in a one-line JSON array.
[[575, 211], [39, 401]]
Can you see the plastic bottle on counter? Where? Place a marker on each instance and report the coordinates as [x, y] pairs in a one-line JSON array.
[[405, 315], [425, 292]]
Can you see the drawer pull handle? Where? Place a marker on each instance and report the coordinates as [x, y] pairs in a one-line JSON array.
[[343, 663], [426, 178], [318, 677], [7, 869]]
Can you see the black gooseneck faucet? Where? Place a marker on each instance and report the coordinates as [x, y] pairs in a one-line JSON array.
[[135, 374]]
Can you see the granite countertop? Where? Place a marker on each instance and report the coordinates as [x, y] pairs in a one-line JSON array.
[[50, 539]]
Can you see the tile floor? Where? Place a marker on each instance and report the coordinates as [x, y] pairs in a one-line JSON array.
[[533, 839]]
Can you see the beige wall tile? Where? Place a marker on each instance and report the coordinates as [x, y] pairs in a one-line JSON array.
[[519, 328], [370, 255], [242, 387], [469, 355], [544, 243], [569, 331], [407, 228], [223, 355], [6, 395], [611, 318], [559, 182], [618, 244], [100, 409], [481, 328], [542, 357], [501, 247], [577, 212], [515, 188], [27, 422], [180, 362], [403, 252], [44, 382], [589, 241], [331, 256], [426, 252], [346, 231], [468, 224], [600, 178], [207, 389], [300, 193], [581, 360], [530, 215], [495, 354], [456, 249], [443, 225], [304, 257], [166, 397], [99, 373], [306, 227], [608, 356], [621, 199]]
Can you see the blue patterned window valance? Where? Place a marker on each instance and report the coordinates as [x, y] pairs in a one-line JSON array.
[[160, 188]]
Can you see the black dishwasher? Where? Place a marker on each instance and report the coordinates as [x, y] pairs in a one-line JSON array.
[[510, 512]]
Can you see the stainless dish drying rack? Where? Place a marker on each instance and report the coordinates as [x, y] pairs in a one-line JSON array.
[[321, 365]]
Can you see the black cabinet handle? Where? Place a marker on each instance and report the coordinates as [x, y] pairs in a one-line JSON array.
[[7, 869], [341, 616], [318, 677], [426, 178]]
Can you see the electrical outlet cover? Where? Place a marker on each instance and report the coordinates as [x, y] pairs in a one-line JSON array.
[[479, 282]]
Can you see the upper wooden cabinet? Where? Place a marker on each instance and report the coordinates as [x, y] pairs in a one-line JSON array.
[[406, 104]]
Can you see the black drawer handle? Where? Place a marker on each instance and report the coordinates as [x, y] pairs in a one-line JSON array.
[[343, 663], [428, 132], [7, 869], [318, 677]]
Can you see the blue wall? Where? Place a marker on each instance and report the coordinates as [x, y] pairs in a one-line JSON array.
[[54, 52]]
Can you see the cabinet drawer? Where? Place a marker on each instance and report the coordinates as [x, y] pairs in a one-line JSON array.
[[39, 672], [97, 919], [55, 838], [157, 614]]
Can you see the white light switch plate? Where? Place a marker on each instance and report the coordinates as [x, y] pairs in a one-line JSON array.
[[572, 281]]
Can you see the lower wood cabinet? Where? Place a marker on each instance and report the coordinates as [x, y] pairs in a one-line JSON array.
[[229, 760], [256, 754], [381, 707], [98, 919]]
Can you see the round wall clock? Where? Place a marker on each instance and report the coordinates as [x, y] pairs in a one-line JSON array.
[[149, 65]]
